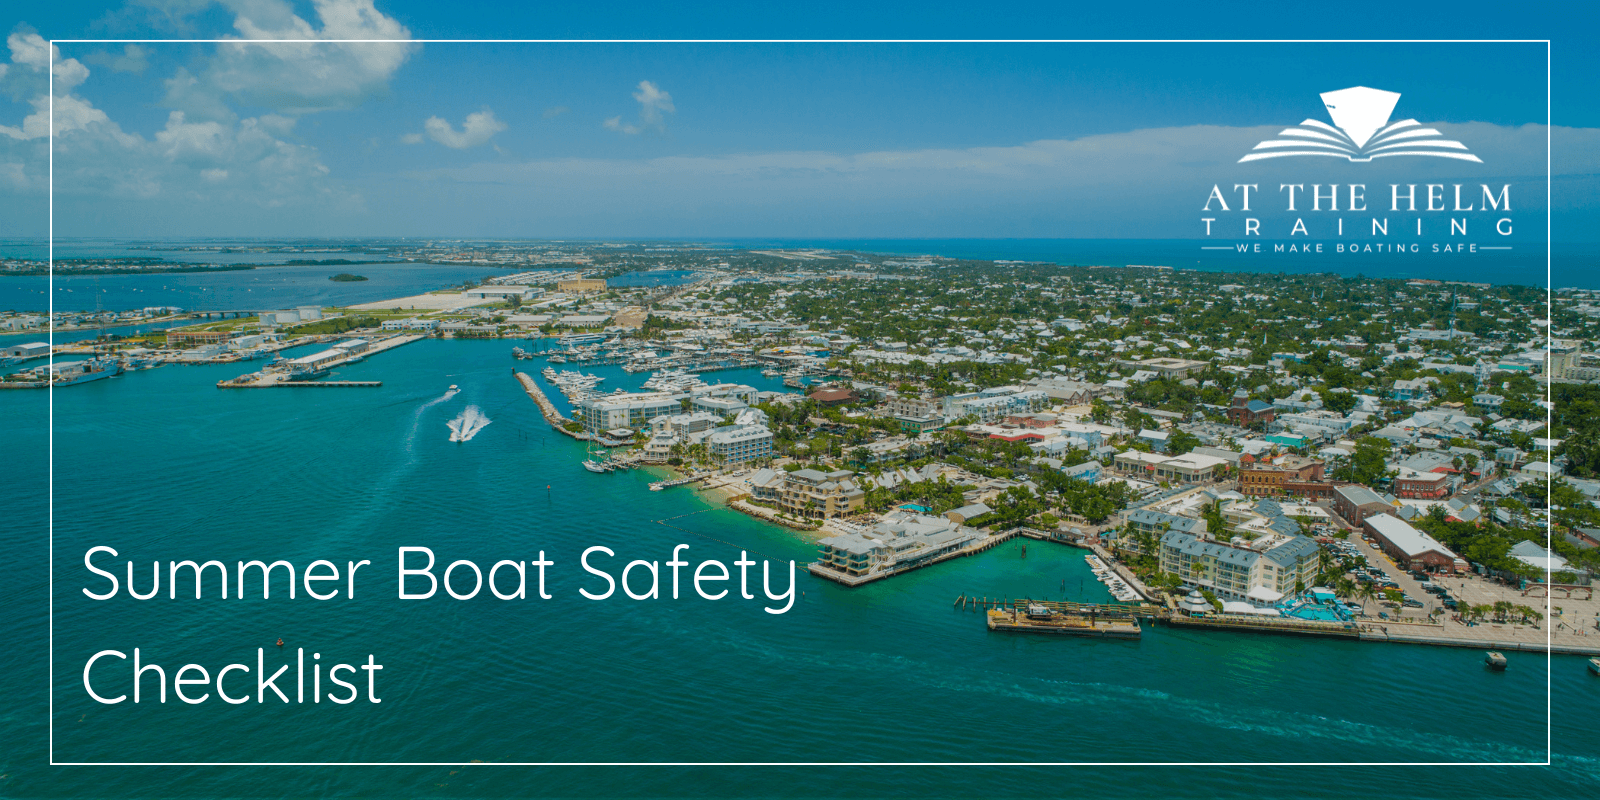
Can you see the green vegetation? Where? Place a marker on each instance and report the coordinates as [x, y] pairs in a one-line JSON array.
[[345, 277], [335, 325]]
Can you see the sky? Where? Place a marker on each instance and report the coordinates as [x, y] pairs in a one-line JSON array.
[[885, 139]]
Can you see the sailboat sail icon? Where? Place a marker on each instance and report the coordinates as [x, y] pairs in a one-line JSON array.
[[1363, 132]]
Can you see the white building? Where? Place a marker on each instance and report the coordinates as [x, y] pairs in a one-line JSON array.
[[632, 411], [739, 443]]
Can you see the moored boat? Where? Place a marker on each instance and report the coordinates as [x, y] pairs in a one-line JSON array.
[[1495, 661]]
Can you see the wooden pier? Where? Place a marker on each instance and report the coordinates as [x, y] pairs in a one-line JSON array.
[[1035, 618]]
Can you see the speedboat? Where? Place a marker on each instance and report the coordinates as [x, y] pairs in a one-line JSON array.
[[1594, 666], [452, 387]]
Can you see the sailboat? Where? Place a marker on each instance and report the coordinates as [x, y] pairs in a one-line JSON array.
[[594, 465]]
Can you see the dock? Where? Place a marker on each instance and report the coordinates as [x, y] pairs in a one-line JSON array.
[[272, 377], [1028, 617], [1252, 624]]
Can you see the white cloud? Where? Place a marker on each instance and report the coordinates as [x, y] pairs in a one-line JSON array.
[[411, 138], [654, 104], [31, 52], [1147, 183], [477, 129], [134, 59], [297, 78]]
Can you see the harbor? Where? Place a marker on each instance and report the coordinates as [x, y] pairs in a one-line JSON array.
[[303, 371]]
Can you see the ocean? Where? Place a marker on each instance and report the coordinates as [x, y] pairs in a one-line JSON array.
[[163, 466], [1571, 265]]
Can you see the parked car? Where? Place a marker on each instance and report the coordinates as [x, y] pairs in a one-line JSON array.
[[1409, 603]]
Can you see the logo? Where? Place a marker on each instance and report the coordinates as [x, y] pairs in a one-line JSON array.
[[1363, 133]]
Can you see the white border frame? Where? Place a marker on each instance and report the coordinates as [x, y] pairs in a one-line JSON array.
[[50, 288]]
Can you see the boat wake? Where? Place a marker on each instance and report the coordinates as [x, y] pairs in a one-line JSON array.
[[467, 424]]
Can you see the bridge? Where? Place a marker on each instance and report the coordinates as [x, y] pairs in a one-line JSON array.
[[219, 314]]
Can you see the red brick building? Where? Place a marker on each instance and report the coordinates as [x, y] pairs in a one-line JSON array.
[[1421, 485], [1295, 476], [1245, 412]]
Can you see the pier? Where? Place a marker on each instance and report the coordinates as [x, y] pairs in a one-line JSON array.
[[280, 376], [1028, 617]]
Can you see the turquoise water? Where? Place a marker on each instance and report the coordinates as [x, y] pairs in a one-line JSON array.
[[249, 290], [161, 465]]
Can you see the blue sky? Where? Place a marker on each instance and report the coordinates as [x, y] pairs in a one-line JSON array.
[[724, 140]]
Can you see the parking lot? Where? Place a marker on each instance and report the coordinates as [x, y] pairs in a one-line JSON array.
[[1577, 623]]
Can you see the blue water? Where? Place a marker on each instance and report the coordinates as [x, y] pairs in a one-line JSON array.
[[251, 290], [160, 464], [658, 277]]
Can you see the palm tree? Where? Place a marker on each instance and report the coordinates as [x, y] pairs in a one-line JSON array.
[[1364, 594]]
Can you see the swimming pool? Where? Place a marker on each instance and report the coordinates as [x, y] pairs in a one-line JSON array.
[[1313, 612]]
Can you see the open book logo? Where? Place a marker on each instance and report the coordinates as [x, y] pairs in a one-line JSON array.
[[1363, 133]]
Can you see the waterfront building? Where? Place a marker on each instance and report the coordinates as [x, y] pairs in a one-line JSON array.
[[412, 324], [28, 350], [964, 513], [1264, 570], [738, 444], [723, 407], [658, 450], [821, 495], [633, 410], [177, 338], [502, 292], [1409, 547], [902, 540], [1155, 523]]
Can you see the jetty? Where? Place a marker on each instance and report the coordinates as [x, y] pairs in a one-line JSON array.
[[546, 408], [1031, 617]]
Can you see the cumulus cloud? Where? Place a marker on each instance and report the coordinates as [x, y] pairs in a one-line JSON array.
[[654, 105], [206, 158], [32, 56], [296, 78], [478, 128]]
